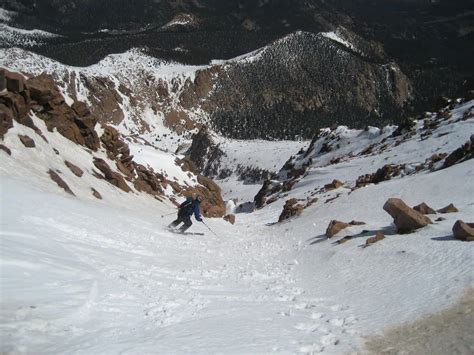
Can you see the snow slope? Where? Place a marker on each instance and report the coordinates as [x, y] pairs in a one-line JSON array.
[[85, 276]]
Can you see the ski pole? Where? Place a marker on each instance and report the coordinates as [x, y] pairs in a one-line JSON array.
[[169, 214], [209, 228]]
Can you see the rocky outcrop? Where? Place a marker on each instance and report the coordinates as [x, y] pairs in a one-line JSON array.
[[148, 181], [111, 176], [463, 231], [41, 95], [463, 153], [118, 150], [406, 219], [290, 209], [385, 173], [212, 204], [58, 180], [204, 153]]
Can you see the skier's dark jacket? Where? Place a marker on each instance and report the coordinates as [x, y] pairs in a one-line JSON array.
[[188, 207]]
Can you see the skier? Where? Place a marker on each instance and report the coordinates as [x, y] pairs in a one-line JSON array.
[[185, 211]]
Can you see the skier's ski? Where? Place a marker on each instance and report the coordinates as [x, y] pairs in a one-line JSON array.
[[175, 231]]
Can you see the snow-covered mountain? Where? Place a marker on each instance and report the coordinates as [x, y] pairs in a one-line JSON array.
[[87, 275], [346, 223], [284, 90]]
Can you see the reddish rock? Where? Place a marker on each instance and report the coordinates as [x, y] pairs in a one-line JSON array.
[[406, 219], [62, 118], [335, 227], [229, 218], [96, 194], [448, 209], [111, 176], [41, 89], [461, 154], [335, 184], [81, 109], [6, 119], [290, 209], [75, 169], [148, 181], [5, 149], [463, 231], [383, 174], [17, 107], [61, 183], [424, 208], [212, 204], [15, 82], [379, 236], [27, 141]]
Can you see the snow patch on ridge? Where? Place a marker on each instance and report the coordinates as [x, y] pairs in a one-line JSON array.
[[12, 36], [336, 37], [6, 16]]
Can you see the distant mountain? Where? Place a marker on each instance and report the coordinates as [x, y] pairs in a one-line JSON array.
[[285, 90], [429, 40]]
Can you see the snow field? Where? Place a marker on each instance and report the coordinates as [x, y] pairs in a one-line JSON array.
[[105, 279]]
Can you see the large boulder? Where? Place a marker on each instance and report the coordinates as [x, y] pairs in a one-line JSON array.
[[406, 219], [463, 231]]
